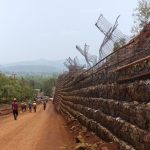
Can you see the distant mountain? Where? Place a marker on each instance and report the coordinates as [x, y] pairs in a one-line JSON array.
[[36, 62], [34, 67]]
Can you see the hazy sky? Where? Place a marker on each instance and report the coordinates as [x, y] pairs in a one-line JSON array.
[[50, 29]]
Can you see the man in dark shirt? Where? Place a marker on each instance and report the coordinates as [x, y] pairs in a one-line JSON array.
[[30, 106], [44, 105], [15, 108]]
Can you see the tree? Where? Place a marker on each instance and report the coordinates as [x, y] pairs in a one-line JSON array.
[[44, 83], [141, 16], [48, 86], [10, 88]]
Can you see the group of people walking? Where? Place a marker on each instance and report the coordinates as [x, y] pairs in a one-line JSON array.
[[31, 106]]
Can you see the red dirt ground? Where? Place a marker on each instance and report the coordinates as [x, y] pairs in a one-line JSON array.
[[43, 130]]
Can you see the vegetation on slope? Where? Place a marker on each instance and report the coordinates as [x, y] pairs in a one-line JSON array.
[[23, 88], [10, 88]]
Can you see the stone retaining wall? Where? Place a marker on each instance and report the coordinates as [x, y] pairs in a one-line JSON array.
[[115, 111]]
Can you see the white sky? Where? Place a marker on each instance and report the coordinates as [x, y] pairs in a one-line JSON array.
[[50, 29]]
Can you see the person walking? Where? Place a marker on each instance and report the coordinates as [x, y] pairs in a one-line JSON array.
[[25, 106], [34, 106], [15, 108], [30, 106], [22, 106], [44, 105]]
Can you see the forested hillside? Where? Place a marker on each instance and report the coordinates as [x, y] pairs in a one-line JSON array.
[[44, 83]]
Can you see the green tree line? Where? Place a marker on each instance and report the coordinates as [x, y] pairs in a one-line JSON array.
[[14, 88], [44, 83]]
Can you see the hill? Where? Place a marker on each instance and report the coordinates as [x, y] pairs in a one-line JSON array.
[[33, 67]]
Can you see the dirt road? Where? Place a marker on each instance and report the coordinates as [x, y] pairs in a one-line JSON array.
[[43, 130]]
